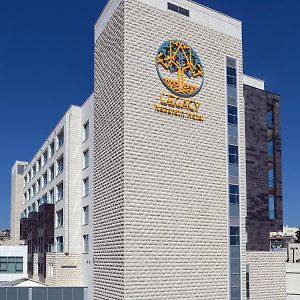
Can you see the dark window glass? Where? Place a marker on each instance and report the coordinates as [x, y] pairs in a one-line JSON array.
[[231, 80], [231, 71], [233, 155], [270, 148], [184, 11], [270, 117], [173, 7], [271, 208], [232, 115]]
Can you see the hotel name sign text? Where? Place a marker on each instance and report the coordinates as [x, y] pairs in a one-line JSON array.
[[180, 70]]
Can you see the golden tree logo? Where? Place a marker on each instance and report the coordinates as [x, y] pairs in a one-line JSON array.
[[179, 68]]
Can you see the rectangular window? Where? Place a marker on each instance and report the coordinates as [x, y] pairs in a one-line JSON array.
[[85, 187], [60, 244], [44, 158], [59, 165], [51, 196], [231, 76], [51, 149], [39, 165], [233, 155], [270, 148], [271, 178], [234, 236], [38, 185], [247, 282], [232, 115], [234, 200], [85, 219], [11, 265], [86, 243], [270, 117], [60, 139], [59, 218], [60, 191], [271, 207], [86, 158], [86, 131], [44, 180], [51, 173], [178, 9]]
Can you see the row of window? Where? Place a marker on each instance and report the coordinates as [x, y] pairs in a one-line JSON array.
[[55, 145], [233, 166], [59, 217], [178, 9], [55, 170], [11, 265], [54, 195]]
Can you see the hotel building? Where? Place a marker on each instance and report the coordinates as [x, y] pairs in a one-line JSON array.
[[166, 182]]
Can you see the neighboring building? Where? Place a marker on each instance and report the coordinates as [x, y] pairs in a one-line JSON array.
[[13, 263], [57, 203], [123, 194], [16, 201]]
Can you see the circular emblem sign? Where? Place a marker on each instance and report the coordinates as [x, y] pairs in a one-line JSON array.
[[179, 68]]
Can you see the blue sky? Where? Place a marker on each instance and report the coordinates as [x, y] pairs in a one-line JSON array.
[[46, 64]]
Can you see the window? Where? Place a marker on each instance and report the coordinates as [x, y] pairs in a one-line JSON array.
[[44, 199], [86, 131], [51, 196], [44, 158], [233, 155], [86, 158], [31, 192], [33, 171], [231, 76], [60, 244], [85, 219], [232, 115], [29, 175], [51, 149], [270, 117], [38, 165], [59, 218], [50, 270], [51, 173], [85, 187], [60, 139], [86, 243], [271, 178], [60, 191], [270, 148], [59, 165], [234, 200], [234, 236], [11, 265], [247, 282], [44, 180], [178, 9], [38, 185], [271, 207]]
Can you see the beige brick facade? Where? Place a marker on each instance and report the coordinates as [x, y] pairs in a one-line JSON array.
[[267, 275]]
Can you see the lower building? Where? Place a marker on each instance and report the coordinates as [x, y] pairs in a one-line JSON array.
[[13, 263]]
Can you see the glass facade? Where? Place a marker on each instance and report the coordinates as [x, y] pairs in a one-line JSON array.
[[11, 265], [233, 170]]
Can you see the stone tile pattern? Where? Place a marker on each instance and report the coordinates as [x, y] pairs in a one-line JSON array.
[[161, 184], [258, 224], [267, 275], [109, 161]]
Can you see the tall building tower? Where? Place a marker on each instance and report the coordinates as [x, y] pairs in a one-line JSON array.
[[16, 201], [173, 155]]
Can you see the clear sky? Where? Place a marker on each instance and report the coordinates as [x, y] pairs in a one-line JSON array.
[[46, 64]]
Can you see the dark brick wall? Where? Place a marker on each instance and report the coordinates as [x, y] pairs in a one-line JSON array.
[[258, 224]]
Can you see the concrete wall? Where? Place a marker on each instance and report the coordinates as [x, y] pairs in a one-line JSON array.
[[292, 281], [267, 275], [13, 251]]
